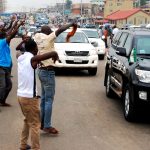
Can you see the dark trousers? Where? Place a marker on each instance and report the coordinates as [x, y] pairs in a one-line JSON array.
[[106, 45], [5, 83]]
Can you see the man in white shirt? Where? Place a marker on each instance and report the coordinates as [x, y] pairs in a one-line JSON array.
[[26, 92], [115, 30]]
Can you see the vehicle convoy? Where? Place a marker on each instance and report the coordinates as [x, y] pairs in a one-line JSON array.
[[95, 39], [127, 70], [79, 53]]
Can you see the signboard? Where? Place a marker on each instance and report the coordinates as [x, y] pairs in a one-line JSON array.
[[67, 12]]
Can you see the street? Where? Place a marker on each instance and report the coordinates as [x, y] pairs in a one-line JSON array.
[[84, 116]]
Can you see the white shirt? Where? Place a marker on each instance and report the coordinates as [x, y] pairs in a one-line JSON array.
[[25, 76], [115, 31]]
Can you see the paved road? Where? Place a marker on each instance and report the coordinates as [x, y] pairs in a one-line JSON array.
[[86, 119]]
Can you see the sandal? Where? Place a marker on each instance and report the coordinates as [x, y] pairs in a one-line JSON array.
[[51, 130]]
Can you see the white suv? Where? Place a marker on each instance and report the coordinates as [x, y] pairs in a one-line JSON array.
[[95, 39], [78, 53]]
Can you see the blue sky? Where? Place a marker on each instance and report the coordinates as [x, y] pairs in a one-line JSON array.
[[19, 5]]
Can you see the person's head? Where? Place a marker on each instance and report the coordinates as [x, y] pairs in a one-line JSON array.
[[46, 30], [114, 26], [31, 46], [2, 34], [25, 37]]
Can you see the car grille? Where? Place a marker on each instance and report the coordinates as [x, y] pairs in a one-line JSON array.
[[77, 53], [72, 62]]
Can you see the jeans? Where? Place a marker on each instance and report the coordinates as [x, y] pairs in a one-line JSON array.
[[5, 84], [47, 79]]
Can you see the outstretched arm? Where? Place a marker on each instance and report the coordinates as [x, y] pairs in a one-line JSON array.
[[63, 28], [14, 31], [36, 59]]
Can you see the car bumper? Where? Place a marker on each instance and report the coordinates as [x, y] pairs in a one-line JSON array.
[[77, 62], [141, 92]]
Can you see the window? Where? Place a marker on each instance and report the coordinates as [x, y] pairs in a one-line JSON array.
[[116, 38], [122, 40], [128, 44]]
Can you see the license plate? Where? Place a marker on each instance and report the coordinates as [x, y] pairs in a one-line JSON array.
[[77, 60]]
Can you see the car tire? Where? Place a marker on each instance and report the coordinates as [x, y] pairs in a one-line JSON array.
[[109, 91], [101, 57], [92, 71], [128, 106]]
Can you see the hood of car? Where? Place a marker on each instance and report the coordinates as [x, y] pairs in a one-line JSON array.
[[143, 64], [73, 46]]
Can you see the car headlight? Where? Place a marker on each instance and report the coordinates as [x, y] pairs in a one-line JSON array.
[[93, 52], [144, 76]]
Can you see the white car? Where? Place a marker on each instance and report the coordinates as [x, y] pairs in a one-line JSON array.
[[95, 39], [78, 53]]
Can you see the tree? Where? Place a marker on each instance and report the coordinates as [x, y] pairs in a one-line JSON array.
[[68, 4], [142, 2]]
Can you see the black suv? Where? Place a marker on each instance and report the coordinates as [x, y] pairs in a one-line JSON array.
[[127, 70]]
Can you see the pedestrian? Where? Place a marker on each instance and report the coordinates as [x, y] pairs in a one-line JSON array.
[[105, 36], [6, 61], [45, 41], [21, 45], [115, 30], [27, 93]]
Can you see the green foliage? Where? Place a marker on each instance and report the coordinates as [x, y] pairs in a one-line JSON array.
[[68, 4], [142, 2]]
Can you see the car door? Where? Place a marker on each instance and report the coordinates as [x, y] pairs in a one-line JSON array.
[[118, 65]]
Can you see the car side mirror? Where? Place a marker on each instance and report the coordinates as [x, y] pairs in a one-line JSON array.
[[95, 44], [121, 51]]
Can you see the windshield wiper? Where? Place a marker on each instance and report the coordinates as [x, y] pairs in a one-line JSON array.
[[144, 55]]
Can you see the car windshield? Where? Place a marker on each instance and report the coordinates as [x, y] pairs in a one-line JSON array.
[[142, 45], [78, 37], [91, 34]]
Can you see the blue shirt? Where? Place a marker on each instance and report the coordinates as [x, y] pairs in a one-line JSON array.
[[5, 56]]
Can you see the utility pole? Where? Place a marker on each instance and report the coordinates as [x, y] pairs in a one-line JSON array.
[[81, 13]]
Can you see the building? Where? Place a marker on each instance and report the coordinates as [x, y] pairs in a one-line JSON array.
[[134, 16], [2, 6], [115, 5], [81, 9]]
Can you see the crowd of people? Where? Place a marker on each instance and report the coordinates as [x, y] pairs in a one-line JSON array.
[[107, 32], [38, 53]]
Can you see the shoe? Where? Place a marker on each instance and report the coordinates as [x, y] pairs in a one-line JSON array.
[[27, 147], [50, 130], [5, 104]]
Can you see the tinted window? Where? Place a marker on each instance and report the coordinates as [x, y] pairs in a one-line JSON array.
[[116, 38], [128, 44], [122, 40]]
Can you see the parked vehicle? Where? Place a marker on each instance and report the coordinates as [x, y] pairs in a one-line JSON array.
[[78, 53], [32, 30], [127, 70], [95, 39]]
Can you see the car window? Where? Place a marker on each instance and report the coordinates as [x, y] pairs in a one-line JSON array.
[[91, 34], [122, 40], [128, 44], [142, 44], [79, 37], [116, 38]]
